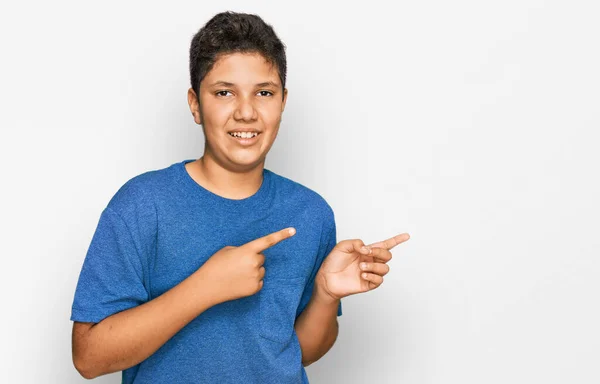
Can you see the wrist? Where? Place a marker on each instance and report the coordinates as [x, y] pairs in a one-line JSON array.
[[321, 293], [207, 289]]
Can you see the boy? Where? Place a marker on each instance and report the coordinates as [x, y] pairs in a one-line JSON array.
[[217, 269]]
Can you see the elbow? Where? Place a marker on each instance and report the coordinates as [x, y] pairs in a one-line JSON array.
[[306, 363], [81, 351], [308, 359], [84, 368], [320, 350], [87, 367]]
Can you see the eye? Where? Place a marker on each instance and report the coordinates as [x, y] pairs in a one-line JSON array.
[[269, 93], [220, 93]]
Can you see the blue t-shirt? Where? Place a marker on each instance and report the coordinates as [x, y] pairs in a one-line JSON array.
[[161, 226]]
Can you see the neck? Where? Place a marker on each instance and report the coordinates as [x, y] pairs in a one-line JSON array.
[[227, 183]]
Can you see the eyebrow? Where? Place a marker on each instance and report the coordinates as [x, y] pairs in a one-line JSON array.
[[227, 84]]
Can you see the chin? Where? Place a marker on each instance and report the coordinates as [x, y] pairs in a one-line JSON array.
[[246, 163]]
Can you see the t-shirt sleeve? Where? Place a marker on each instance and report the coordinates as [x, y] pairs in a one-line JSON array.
[[329, 240], [112, 276]]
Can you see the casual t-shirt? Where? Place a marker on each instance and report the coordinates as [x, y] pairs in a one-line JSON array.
[[161, 226]]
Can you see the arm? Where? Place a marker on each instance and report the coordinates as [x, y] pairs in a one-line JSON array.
[[340, 276], [317, 326], [126, 338]]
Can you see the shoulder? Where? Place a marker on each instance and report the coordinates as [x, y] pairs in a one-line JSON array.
[[138, 194], [305, 198]]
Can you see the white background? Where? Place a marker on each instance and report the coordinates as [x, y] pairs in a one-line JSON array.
[[471, 125]]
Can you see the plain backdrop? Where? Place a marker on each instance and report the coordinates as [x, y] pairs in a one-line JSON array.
[[471, 125]]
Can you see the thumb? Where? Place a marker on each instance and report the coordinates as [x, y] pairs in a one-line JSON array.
[[353, 245]]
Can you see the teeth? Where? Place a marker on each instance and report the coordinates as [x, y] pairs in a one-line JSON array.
[[244, 135]]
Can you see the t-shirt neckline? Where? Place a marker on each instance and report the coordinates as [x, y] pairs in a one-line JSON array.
[[258, 199]]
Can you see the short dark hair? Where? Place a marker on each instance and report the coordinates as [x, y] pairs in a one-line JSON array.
[[230, 32]]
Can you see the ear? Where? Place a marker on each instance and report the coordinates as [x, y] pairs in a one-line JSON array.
[[285, 93], [194, 106]]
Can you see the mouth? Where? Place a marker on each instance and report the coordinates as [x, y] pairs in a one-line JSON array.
[[244, 138]]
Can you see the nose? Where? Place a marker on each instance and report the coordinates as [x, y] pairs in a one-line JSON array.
[[245, 110]]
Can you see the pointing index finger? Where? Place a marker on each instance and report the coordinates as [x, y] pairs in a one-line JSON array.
[[262, 243], [391, 242]]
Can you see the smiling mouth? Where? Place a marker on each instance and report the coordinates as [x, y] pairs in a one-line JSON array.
[[245, 139], [244, 135]]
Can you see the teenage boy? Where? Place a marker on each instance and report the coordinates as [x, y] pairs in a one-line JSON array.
[[218, 270]]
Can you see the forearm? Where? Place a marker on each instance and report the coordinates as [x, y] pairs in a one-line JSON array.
[[126, 338], [317, 326]]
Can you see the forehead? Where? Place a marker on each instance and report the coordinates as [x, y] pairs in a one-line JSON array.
[[242, 69]]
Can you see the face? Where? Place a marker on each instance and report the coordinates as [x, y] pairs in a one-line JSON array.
[[241, 93]]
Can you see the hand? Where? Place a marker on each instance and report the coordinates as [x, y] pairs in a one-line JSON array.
[[238, 271], [341, 273]]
